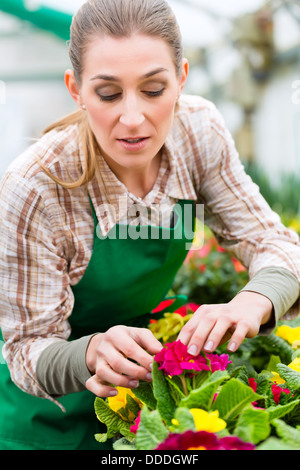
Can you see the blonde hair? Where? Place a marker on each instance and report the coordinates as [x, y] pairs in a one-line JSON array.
[[117, 18]]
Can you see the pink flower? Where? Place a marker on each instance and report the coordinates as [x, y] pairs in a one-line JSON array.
[[202, 440], [277, 391], [174, 359], [218, 362], [136, 424], [205, 250]]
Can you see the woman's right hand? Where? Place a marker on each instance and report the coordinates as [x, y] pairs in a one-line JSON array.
[[121, 357]]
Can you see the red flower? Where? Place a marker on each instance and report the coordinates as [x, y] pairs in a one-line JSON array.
[[174, 359], [164, 304], [252, 384], [202, 440], [277, 391], [186, 309], [238, 266]]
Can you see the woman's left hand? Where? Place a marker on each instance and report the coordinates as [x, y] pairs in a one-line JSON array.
[[212, 325]]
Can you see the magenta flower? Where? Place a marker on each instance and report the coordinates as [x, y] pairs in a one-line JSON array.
[[174, 359], [218, 362], [136, 424], [252, 384], [277, 391], [202, 440]]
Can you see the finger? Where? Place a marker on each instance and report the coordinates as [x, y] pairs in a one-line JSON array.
[[188, 329], [146, 340], [134, 348], [107, 375], [238, 336], [118, 362], [195, 337], [94, 385], [217, 333]]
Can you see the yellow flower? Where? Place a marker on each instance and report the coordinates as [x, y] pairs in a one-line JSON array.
[[207, 421], [295, 365], [288, 333], [119, 402], [167, 326], [295, 225], [276, 378], [199, 235]]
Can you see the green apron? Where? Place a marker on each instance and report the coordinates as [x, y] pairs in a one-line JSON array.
[[127, 277]]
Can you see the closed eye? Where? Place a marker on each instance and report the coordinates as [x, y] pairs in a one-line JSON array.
[[115, 96], [109, 97], [153, 94]]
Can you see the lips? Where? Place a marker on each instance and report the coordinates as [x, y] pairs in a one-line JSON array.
[[134, 144], [132, 140]]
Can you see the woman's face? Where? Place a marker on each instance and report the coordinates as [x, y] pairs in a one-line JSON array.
[[129, 88]]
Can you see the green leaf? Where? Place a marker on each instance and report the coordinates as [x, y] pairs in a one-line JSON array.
[[288, 434], [185, 420], [101, 437], [114, 423], [274, 344], [279, 411], [233, 398], [203, 396], [293, 418], [151, 431], [241, 373], [200, 378], [273, 443], [253, 425], [165, 403], [123, 444], [144, 392], [291, 377], [174, 388], [273, 362], [132, 405]]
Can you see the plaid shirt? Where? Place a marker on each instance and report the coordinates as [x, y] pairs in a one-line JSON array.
[[46, 231]]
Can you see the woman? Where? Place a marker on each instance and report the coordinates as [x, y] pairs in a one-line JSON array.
[[78, 278]]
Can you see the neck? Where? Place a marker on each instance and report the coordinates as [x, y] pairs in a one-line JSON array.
[[139, 181]]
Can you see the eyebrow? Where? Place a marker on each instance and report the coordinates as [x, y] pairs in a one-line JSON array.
[[112, 78]]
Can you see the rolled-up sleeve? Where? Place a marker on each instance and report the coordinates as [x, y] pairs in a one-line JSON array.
[[35, 295], [244, 224]]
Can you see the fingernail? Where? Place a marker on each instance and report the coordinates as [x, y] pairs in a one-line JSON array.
[[113, 393], [133, 384], [149, 376], [209, 346], [232, 347], [192, 350]]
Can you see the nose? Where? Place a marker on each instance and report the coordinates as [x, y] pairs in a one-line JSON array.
[[131, 114]]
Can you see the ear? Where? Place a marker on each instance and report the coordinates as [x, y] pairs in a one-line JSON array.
[[184, 74], [72, 86]]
